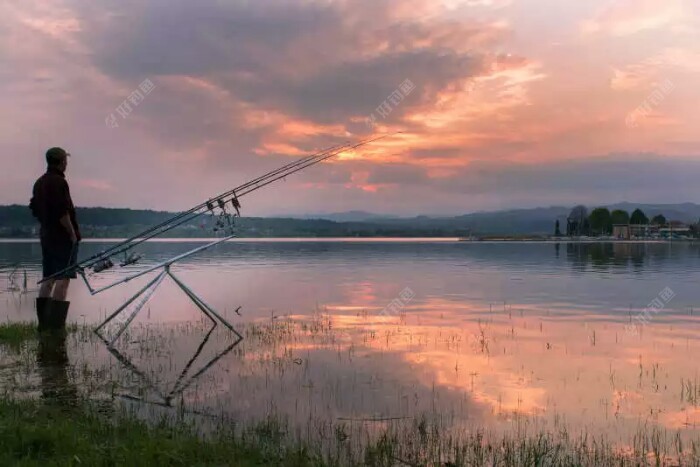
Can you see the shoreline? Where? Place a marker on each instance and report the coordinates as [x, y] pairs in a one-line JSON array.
[[579, 240], [9, 240], [259, 240]]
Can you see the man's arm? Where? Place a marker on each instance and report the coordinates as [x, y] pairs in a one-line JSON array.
[[68, 225], [59, 200], [34, 203]]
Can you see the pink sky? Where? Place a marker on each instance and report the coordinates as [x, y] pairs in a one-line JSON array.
[[517, 103]]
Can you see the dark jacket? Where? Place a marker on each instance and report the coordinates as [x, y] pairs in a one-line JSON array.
[[51, 201]]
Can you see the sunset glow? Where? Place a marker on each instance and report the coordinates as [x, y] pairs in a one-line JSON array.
[[509, 99]]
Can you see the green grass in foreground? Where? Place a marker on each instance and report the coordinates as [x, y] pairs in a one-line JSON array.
[[36, 434], [13, 335], [53, 432], [33, 433]]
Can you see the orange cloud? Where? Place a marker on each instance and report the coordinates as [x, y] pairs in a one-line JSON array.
[[95, 184], [628, 17], [491, 89]]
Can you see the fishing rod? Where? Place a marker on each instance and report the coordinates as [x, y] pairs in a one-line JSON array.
[[101, 261], [168, 223], [223, 209], [190, 215], [177, 220]]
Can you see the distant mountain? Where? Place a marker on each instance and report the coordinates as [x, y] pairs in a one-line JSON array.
[[534, 221], [350, 216], [16, 221], [538, 221]]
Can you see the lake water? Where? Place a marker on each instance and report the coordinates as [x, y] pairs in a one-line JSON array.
[[601, 338]]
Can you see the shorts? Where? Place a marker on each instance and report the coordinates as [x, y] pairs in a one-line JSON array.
[[57, 256]]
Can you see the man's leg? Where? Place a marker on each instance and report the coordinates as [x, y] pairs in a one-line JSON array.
[[46, 289], [43, 304], [43, 301], [59, 305], [47, 265], [66, 256], [60, 291]]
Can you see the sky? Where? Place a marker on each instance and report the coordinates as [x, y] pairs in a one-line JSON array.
[[499, 103]]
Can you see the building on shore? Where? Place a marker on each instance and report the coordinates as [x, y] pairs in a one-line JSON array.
[[675, 229], [643, 230], [629, 231], [622, 231]]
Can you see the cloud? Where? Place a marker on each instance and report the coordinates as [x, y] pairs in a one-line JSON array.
[[492, 185], [655, 69], [629, 17], [324, 65], [95, 184], [242, 87]]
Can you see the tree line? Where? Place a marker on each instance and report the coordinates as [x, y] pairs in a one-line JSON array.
[[601, 220]]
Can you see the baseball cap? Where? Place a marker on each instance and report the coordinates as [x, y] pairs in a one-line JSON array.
[[56, 154]]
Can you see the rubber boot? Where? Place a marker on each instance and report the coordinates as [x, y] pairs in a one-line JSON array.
[[43, 308], [57, 315]]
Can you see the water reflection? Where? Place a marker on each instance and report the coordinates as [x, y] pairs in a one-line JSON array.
[[149, 381], [622, 255], [463, 367], [497, 336], [52, 360], [289, 277]]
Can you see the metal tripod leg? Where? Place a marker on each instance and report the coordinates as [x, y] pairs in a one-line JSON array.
[[206, 309], [146, 292]]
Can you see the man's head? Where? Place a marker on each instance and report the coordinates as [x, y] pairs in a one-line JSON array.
[[57, 158]]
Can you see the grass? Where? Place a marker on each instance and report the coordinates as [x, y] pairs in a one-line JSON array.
[[54, 430], [91, 428], [36, 434], [14, 335]]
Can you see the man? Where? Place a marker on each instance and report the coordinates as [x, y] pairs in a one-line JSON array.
[[52, 205]]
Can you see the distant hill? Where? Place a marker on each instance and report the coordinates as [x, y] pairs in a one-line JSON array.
[[350, 216], [16, 221], [534, 221]]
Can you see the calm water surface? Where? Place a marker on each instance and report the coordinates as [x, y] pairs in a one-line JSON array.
[[495, 336]]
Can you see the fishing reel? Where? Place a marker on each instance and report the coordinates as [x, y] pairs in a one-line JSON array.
[[131, 258], [102, 265], [224, 220], [107, 263]]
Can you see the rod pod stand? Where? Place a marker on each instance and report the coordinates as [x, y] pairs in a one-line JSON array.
[[144, 295]]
